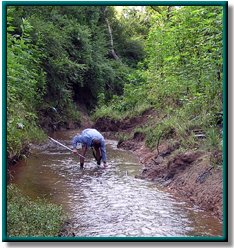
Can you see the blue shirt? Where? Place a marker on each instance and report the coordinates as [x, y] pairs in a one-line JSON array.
[[87, 136]]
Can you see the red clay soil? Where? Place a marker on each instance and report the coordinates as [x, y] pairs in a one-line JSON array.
[[189, 174], [127, 124]]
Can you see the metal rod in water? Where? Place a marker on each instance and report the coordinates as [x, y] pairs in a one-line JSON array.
[[64, 146]]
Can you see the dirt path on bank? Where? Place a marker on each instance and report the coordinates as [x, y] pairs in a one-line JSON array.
[[188, 174]]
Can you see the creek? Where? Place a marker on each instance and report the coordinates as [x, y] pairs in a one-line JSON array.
[[109, 202]]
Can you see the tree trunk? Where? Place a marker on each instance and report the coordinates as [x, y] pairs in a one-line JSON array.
[[112, 51]]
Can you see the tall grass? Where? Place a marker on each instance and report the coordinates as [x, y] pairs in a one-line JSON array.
[[27, 218]]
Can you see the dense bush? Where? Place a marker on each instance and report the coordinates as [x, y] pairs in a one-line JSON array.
[[181, 76], [25, 87], [58, 57]]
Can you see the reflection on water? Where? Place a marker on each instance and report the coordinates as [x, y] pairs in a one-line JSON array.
[[109, 202]]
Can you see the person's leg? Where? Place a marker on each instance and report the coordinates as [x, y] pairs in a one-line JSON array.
[[97, 151], [83, 152], [98, 155]]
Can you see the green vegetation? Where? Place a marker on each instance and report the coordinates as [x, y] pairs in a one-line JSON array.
[[27, 218], [60, 57], [25, 86], [180, 77], [160, 58]]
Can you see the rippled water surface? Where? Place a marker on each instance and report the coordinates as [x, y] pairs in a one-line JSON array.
[[109, 202]]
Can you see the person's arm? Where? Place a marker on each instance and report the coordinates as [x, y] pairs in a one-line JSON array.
[[79, 139], [83, 152], [75, 140]]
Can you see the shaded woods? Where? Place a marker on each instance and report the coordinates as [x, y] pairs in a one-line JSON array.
[[153, 72], [59, 57], [117, 64]]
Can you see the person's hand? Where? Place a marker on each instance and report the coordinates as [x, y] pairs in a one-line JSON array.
[[74, 151]]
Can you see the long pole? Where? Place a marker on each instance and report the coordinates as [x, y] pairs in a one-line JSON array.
[[65, 146]]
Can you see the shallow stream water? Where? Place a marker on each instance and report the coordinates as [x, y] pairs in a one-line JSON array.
[[109, 202]]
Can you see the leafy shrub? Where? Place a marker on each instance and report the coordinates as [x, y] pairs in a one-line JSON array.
[[25, 87], [181, 76]]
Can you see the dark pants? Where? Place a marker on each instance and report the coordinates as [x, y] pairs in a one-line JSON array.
[[96, 148]]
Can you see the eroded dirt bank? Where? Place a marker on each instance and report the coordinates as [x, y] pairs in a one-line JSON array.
[[189, 174]]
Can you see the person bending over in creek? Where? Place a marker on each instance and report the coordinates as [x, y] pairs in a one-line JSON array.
[[90, 138]]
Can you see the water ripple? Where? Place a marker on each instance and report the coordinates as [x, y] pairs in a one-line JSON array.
[[112, 202]]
